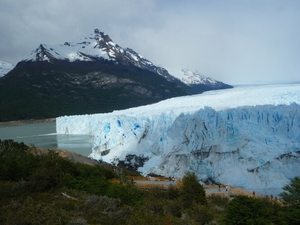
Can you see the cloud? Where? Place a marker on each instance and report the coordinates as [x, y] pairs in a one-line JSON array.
[[233, 41]]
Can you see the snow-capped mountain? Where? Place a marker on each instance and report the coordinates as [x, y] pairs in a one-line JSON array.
[[246, 136], [89, 76], [194, 78], [5, 68], [99, 46], [96, 47], [92, 75]]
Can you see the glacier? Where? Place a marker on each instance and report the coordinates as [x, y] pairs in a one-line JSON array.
[[247, 137]]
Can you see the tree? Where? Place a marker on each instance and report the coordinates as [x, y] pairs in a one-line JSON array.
[[192, 191], [246, 210], [291, 199]]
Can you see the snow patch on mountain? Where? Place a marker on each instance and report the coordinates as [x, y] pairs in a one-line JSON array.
[[193, 78], [89, 49], [97, 46], [5, 68], [246, 136]]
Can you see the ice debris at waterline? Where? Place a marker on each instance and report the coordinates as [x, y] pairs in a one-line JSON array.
[[246, 136]]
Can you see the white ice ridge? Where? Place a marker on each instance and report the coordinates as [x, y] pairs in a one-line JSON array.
[[245, 136]]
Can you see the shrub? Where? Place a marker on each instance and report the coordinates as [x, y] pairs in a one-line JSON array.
[[15, 162], [45, 179]]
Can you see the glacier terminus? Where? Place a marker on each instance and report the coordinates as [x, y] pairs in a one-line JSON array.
[[248, 136]]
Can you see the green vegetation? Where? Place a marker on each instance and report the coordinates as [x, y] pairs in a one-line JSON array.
[[49, 189], [192, 192], [248, 210]]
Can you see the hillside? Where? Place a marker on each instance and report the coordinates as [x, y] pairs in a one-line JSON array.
[[48, 189]]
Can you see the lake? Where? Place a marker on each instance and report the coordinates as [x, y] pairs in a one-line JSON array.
[[43, 135]]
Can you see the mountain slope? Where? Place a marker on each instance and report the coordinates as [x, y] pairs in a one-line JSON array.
[[45, 90]]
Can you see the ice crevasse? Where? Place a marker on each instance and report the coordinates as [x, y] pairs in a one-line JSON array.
[[245, 136]]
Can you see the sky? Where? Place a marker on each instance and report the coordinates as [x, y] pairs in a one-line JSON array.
[[234, 41]]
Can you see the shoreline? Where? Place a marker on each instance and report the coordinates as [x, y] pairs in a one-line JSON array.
[[23, 122], [73, 156]]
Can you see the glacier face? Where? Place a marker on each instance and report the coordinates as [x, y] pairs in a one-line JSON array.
[[247, 136]]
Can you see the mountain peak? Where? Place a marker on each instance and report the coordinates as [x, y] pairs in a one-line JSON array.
[[96, 47], [97, 31], [99, 35]]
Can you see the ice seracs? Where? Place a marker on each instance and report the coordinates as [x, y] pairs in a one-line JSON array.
[[247, 136]]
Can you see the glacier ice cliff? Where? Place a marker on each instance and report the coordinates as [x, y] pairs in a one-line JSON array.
[[247, 136]]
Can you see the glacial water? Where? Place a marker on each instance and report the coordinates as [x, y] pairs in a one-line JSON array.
[[43, 135]]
